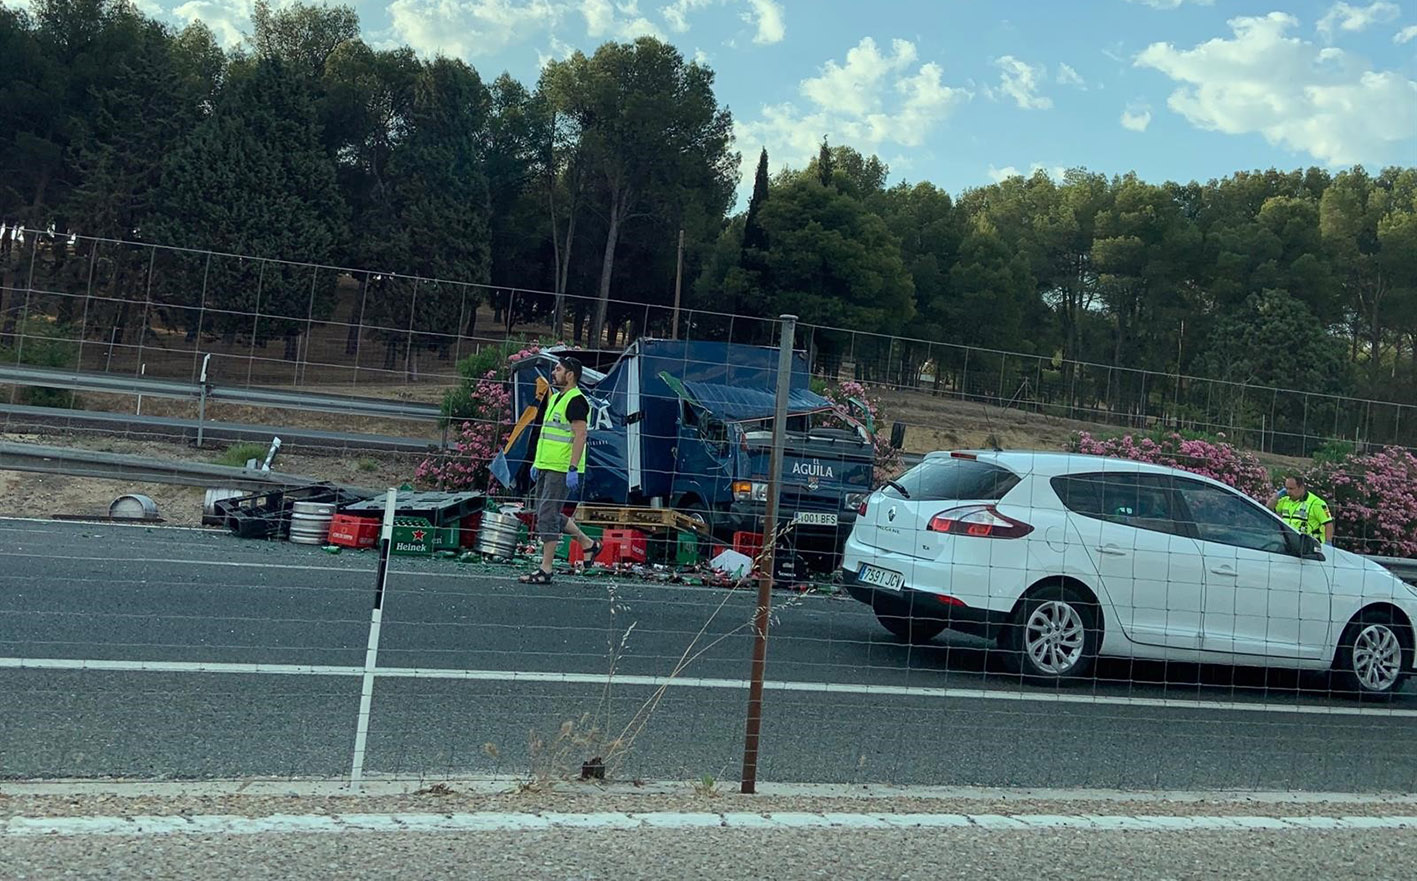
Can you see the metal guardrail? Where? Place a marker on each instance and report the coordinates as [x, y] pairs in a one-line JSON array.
[[108, 383], [16, 456], [21, 418], [1399, 566]]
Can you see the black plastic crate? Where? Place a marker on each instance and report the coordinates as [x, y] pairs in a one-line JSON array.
[[439, 508]]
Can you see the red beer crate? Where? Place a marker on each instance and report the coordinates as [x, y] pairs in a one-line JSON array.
[[349, 531], [623, 546], [749, 544]]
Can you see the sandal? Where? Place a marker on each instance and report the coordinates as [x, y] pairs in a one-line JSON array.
[[589, 554], [540, 576]]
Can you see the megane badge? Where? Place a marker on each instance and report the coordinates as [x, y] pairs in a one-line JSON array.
[[890, 514]]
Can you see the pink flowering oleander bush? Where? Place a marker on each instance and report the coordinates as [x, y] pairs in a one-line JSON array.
[[477, 442], [1215, 459], [887, 457], [1373, 499], [481, 408]]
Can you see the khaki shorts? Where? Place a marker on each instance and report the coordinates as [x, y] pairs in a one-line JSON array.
[[553, 505]]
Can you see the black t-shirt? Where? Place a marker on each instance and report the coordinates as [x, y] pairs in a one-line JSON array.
[[577, 410]]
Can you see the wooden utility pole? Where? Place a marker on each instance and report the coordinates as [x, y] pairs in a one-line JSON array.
[[678, 283]]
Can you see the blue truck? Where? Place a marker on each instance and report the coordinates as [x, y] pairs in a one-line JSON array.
[[688, 426]]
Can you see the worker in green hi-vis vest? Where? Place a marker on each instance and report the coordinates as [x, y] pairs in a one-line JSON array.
[[1303, 510], [558, 467]]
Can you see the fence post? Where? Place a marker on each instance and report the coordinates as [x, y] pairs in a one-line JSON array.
[[760, 624]]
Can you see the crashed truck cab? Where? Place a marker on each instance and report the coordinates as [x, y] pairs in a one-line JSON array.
[[688, 425]]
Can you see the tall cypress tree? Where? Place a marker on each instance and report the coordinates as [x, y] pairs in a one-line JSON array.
[[826, 164], [755, 238]]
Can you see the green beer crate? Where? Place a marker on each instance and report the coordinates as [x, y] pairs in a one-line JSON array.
[[686, 550], [413, 537]]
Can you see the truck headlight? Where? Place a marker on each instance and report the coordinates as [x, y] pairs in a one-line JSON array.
[[749, 491]]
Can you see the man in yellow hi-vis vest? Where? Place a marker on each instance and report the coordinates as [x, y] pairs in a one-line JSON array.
[[1303, 510], [559, 466]]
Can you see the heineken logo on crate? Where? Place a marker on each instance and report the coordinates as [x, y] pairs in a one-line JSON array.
[[412, 535]]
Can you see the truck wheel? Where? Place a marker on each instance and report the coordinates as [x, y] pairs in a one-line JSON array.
[[700, 513]]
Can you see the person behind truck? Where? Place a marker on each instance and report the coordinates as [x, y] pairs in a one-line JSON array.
[[1303, 510], [558, 467]]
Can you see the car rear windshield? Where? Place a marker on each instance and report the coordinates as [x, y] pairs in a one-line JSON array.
[[937, 480]]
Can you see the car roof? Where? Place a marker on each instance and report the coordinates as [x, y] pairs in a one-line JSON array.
[[1046, 463]]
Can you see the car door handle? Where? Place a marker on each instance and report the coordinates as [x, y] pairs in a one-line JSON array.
[[1111, 550], [1226, 571]]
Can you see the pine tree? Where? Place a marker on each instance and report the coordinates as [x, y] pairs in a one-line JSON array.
[[253, 179], [435, 222]]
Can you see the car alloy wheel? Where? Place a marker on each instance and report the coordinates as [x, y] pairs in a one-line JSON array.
[[1054, 637], [1377, 658]]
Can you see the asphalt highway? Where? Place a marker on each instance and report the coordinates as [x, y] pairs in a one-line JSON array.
[[148, 652]]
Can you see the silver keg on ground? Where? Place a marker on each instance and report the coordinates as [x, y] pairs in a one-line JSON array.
[[310, 522], [497, 537]]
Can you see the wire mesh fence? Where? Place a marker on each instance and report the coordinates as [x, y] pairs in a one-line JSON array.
[[1027, 617], [140, 309]]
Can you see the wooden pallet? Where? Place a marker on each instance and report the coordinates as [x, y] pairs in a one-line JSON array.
[[639, 518]]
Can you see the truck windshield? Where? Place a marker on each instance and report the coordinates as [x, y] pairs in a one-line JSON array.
[[820, 424]]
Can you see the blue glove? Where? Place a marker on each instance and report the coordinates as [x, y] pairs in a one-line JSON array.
[[535, 473], [573, 479]]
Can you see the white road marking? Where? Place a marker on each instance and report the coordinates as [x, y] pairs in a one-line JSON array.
[[622, 679], [177, 667], [305, 824], [183, 562], [377, 784]]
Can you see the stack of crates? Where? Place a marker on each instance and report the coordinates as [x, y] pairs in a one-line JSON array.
[[453, 517]]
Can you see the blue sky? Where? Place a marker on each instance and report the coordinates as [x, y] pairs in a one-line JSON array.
[[962, 92]]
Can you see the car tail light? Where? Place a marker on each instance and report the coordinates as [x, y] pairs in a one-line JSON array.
[[861, 509], [979, 521]]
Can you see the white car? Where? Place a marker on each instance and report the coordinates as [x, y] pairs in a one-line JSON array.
[[1063, 557]]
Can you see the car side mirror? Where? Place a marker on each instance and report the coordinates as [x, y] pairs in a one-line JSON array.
[[1303, 546]]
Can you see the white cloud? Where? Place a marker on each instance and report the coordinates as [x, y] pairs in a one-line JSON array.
[[1321, 101], [603, 20], [1170, 4], [999, 175], [855, 87], [873, 100], [1345, 17], [228, 19], [1020, 81], [768, 16], [676, 14], [1406, 35], [1069, 77], [468, 28], [701, 57], [26, 5], [1136, 119]]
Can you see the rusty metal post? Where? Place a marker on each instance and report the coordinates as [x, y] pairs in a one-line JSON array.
[[760, 624]]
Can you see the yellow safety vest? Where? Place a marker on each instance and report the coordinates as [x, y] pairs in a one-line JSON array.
[[553, 449], [1308, 516]]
